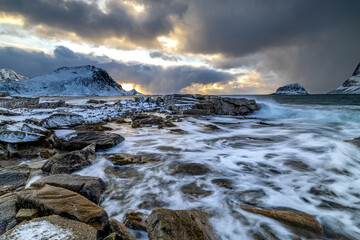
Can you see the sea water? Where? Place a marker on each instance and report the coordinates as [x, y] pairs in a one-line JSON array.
[[293, 153]]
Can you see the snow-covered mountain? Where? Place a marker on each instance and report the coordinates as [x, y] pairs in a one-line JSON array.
[[8, 75], [291, 89], [350, 86], [67, 81]]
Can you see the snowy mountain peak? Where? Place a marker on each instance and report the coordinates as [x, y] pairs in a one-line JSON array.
[[351, 85], [67, 81], [10, 75], [291, 89]]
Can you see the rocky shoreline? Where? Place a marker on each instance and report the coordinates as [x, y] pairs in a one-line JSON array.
[[63, 139]]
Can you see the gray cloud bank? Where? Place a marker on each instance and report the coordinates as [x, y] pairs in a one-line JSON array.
[[155, 79], [312, 42]]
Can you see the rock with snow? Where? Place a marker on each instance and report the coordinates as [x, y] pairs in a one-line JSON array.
[[19, 137], [8, 75], [67, 81], [291, 89], [351, 85], [60, 120]]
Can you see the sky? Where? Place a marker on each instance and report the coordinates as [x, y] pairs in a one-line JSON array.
[[187, 46]]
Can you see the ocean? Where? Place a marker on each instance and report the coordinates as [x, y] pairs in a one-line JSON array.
[[294, 153]]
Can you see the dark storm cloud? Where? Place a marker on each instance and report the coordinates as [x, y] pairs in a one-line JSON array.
[[88, 21], [154, 79], [163, 56]]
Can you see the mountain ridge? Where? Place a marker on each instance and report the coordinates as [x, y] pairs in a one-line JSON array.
[[351, 85]]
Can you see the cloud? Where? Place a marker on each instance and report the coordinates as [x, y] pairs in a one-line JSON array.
[[163, 56], [152, 78], [119, 19]]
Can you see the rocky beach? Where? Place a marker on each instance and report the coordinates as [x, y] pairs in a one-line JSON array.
[[171, 167]]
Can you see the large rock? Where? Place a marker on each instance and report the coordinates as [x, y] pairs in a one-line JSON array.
[[35, 129], [121, 231], [192, 169], [19, 137], [18, 102], [143, 120], [79, 140], [51, 227], [291, 89], [60, 120], [70, 162], [8, 209], [56, 200], [289, 217], [13, 178], [89, 187], [167, 224], [121, 159], [208, 105]]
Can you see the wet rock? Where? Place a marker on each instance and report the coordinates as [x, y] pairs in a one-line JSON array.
[[8, 209], [212, 127], [178, 131], [94, 101], [290, 217], [35, 129], [61, 120], [121, 231], [13, 178], [26, 214], [28, 153], [122, 159], [100, 126], [134, 220], [167, 224], [192, 169], [19, 137], [209, 105], [298, 165], [194, 189], [51, 104], [56, 200], [52, 227], [252, 197], [46, 152], [79, 140], [89, 187], [355, 141], [145, 120], [70, 162], [222, 182], [111, 236]]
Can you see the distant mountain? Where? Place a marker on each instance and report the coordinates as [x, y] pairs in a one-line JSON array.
[[291, 89], [350, 86], [8, 75], [67, 81]]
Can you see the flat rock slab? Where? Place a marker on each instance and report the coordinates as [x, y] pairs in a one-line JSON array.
[[70, 162], [61, 120], [89, 187], [122, 159], [8, 209], [26, 214], [79, 140], [56, 200], [19, 137], [289, 217], [13, 178], [167, 224], [51, 227]]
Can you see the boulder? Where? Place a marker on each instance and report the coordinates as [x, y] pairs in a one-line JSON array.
[[122, 159], [192, 169], [70, 162], [26, 214], [134, 221], [13, 178], [167, 224], [51, 227], [146, 120], [56, 200], [208, 105], [120, 230], [289, 217], [18, 102], [19, 137], [61, 120], [8, 209], [89, 187], [79, 140]]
